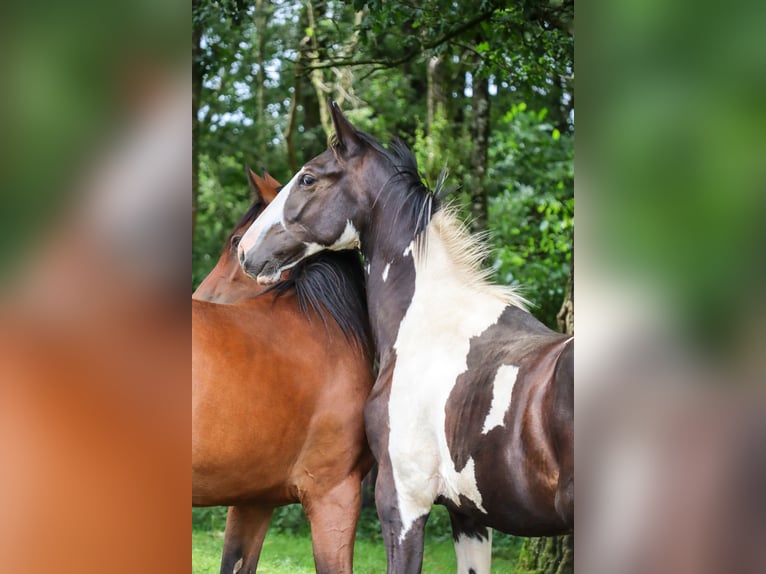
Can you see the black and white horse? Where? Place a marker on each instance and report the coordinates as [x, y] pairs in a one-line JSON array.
[[473, 405]]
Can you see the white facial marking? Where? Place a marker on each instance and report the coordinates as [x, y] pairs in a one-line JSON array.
[[431, 348], [385, 271], [408, 249], [474, 554], [274, 214], [502, 390], [349, 239]]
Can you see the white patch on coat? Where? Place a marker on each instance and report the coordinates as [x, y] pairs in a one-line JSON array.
[[385, 271], [349, 239], [502, 390], [474, 554], [237, 566], [431, 349], [408, 249], [274, 214]]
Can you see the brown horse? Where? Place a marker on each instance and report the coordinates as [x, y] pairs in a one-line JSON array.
[[473, 407], [279, 382], [227, 283]]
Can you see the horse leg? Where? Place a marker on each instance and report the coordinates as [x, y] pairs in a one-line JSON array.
[[473, 544], [404, 550], [333, 518], [563, 432], [245, 530]]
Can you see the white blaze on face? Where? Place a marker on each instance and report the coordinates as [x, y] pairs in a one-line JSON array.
[[274, 214], [385, 271], [474, 554], [431, 352], [502, 390]]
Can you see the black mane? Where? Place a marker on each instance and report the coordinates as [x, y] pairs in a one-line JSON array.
[[332, 283], [405, 195]]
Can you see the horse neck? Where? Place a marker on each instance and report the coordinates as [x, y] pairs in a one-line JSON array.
[[227, 283], [425, 263]]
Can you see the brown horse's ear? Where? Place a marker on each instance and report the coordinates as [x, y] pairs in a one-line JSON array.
[[256, 184], [348, 139], [269, 188]]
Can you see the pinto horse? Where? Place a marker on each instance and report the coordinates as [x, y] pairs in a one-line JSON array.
[[473, 405], [279, 382]]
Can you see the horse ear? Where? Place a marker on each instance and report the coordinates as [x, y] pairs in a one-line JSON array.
[[269, 188], [348, 139], [256, 183]]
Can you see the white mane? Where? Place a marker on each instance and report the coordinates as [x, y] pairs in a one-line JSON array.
[[467, 252]]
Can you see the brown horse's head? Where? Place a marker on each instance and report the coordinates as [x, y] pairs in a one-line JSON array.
[[227, 283]]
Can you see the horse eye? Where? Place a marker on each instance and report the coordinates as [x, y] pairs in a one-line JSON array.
[[307, 179], [235, 240]]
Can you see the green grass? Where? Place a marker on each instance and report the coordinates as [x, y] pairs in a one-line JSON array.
[[289, 552]]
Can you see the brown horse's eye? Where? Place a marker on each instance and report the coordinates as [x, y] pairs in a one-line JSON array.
[[235, 241], [308, 179]]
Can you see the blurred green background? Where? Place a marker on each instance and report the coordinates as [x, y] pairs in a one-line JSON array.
[[673, 159]]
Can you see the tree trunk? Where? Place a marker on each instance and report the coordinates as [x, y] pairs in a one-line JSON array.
[[552, 555], [292, 160], [260, 87], [198, 73], [292, 120], [436, 114], [479, 153], [565, 317], [317, 75]]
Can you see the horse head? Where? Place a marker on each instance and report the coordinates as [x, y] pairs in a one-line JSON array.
[[227, 283], [321, 208]]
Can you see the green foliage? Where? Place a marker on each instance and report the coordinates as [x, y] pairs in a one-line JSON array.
[[443, 148], [532, 207], [290, 520], [209, 518], [223, 199]]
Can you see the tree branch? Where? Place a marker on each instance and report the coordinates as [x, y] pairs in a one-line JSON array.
[[383, 63]]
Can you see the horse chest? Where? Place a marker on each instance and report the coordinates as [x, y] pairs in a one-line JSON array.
[[432, 350]]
